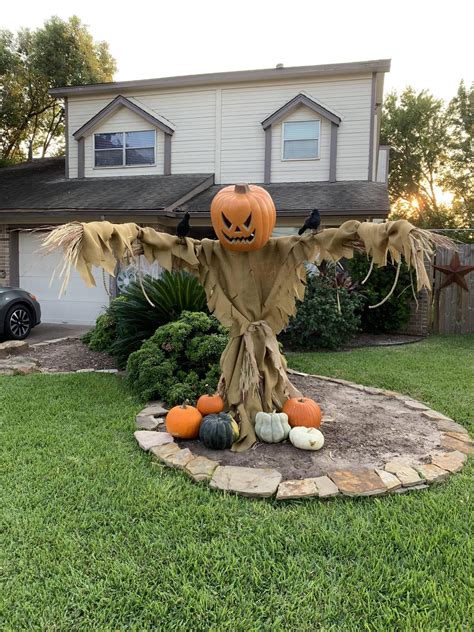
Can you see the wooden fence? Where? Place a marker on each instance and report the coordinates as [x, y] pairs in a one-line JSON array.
[[453, 307]]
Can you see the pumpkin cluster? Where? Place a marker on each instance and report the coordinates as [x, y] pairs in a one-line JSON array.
[[299, 422], [216, 429]]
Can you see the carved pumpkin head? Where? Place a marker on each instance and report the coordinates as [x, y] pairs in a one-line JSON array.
[[243, 217]]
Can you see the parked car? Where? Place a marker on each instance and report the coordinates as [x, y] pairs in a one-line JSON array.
[[19, 313]]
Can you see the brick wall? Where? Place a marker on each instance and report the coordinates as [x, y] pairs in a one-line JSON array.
[[419, 323], [4, 255]]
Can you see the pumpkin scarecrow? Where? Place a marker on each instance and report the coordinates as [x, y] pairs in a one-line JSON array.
[[251, 280]]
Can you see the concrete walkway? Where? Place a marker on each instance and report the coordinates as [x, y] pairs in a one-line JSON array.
[[51, 331]]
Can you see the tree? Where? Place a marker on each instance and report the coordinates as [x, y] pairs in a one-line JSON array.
[[31, 62], [415, 126], [457, 173]]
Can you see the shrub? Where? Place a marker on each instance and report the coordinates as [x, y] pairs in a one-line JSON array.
[[178, 361], [318, 322], [103, 336], [130, 319], [394, 314]]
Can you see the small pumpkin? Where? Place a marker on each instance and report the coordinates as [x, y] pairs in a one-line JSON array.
[[302, 411], [210, 403], [272, 427], [306, 438], [183, 421], [243, 217], [217, 431]]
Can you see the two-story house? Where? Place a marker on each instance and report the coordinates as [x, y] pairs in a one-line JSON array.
[[149, 150]]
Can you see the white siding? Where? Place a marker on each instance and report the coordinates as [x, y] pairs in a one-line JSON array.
[[223, 124], [382, 165], [243, 139], [192, 144]]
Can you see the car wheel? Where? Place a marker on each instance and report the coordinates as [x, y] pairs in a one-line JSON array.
[[18, 322]]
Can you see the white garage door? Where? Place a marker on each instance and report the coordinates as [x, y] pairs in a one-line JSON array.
[[79, 305]]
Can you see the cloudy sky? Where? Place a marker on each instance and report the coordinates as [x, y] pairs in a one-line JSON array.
[[429, 42]]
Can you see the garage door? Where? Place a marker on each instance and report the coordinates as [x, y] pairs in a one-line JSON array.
[[80, 305]]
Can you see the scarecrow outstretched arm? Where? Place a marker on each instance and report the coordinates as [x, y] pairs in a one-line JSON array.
[[397, 239], [103, 244]]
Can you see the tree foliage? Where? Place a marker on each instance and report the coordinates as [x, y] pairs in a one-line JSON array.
[[415, 127], [457, 174], [31, 63], [430, 153]]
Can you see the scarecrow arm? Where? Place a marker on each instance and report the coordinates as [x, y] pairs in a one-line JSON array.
[[398, 238], [103, 244]]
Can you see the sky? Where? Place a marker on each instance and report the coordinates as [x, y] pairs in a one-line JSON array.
[[429, 42]]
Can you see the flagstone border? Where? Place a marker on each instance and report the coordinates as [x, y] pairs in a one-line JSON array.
[[398, 476]]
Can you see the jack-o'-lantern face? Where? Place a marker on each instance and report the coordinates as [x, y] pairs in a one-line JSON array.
[[243, 217]]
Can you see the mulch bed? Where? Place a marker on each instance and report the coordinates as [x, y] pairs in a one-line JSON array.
[[366, 430], [69, 355]]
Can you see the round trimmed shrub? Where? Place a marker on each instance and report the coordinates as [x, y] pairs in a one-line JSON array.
[[179, 360]]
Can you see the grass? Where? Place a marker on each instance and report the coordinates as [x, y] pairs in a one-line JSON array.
[[92, 537]]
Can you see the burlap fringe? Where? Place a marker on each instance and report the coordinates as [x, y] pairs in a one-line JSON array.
[[67, 238]]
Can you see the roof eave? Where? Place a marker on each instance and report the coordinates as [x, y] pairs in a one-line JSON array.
[[239, 76]]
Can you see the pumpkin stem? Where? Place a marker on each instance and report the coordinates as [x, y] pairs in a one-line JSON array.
[[242, 187], [185, 404]]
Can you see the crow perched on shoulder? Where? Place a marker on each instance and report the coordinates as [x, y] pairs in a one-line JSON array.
[[182, 229], [312, 222]]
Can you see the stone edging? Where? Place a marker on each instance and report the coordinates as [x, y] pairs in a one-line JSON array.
[[53, 341], [398, 476]]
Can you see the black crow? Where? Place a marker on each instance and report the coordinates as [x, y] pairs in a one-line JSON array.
[[313, 222], [182, 229]]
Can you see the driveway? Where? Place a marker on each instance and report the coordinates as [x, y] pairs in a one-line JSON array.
[[51, 331]]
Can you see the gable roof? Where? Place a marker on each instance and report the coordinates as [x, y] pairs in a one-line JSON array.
[[239, 76], [297, 101], [120, 101]]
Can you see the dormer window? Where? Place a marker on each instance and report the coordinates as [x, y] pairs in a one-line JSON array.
[[124, 149], [301, 140]]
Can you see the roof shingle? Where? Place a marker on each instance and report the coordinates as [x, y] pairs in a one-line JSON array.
[[42, 185]]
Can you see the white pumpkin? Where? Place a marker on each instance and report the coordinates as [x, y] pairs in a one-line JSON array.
[[306, 438], [272, 427]]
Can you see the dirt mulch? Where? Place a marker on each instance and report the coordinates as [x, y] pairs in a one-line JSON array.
[[69, 355], [368, 430]]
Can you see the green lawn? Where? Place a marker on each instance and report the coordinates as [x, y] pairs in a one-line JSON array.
[[94, 538]]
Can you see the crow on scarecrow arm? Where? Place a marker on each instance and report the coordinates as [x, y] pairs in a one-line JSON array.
[[183, 228], [312, 222]]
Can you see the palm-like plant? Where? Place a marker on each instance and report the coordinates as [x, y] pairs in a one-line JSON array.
[[145, 306]]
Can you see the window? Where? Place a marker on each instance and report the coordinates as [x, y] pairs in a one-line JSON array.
[[301, 140], [124, 149]]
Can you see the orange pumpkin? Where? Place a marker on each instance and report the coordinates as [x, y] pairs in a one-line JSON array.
[[210, 404], [302, 411], [243, 217], [183, 422]]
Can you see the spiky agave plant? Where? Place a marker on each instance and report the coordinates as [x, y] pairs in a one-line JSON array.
[[145, 306]]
